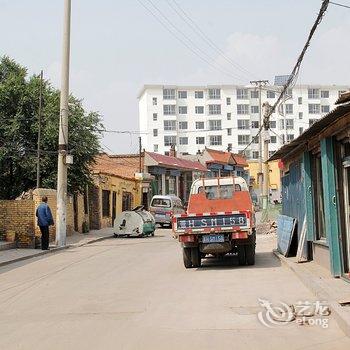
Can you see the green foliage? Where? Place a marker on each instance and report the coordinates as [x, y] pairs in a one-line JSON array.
[[19, 102]]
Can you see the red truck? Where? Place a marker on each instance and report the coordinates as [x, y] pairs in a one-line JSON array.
[[220, 220]]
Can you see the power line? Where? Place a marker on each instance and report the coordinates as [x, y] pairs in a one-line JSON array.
[[183, 42], [293, 76], [337, 4], [195, 27]]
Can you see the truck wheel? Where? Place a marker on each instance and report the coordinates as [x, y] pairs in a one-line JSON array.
[[186, 253], [250, 253], [195, 257], [241, 255]]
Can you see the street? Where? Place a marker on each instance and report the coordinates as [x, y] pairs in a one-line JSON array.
[[136, 294]]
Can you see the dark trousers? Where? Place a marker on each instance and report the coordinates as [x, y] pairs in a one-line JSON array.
[[44, 237]]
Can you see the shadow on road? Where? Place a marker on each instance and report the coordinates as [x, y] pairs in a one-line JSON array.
[[262, 260]]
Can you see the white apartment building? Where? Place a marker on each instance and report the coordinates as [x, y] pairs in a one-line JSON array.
[[226, 116]]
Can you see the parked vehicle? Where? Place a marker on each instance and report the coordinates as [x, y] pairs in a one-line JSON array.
[[164, 207], [220, 219], [134, 223]]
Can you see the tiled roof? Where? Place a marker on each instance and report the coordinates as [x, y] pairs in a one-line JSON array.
[[222, 157], [178, 163], [123, 167], [239, 160]]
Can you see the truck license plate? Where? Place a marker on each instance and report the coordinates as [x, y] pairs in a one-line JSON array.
[[213, 239]]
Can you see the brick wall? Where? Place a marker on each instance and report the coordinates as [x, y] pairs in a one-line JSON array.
[[16, 217]]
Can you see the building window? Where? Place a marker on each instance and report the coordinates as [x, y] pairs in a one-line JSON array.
[[313, 93], [270, 94], [312, 122], [254, 94], [256, 139], [273, 124], [242, 94], [106, 203], [228, 101], [255, 124], [183, 140], [182, 94], [214, 94], [169, 125], [242, 109], [155, 148], [199, 125], [155, 132], [325, 109], [289, 108], [229, 132], [271, 153], [198, 94], [300, 100], [229, 147], [314, 108], [154, 101], [182, 109], [289, 123], [324, 94], [254, 109], [169, 94], [214, 124], [199, 109], [169, 109], [169, 140], [300, 115], [255, 154], [228, 116], [127, 201], [289, 92], [243, 124], [183, 125], [155, 117], [273, 139], [243, 139], [301, 130], [281, 124], [290, 137], [200, 140], [215, 140], [214, 109]]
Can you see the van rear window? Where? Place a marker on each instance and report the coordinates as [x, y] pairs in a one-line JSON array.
[[161, 202], [216, 192]]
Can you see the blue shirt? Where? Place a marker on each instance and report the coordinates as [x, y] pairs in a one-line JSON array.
[[43, 213]]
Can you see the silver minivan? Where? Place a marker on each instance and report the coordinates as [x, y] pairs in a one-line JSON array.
[[164, 207]]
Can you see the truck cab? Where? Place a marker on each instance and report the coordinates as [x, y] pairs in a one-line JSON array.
[[220, 220]]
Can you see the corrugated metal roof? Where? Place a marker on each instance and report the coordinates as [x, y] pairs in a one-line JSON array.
[[316, 128]]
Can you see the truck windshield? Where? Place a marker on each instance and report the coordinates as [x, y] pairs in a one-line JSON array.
[[161, 202], [224, 192]]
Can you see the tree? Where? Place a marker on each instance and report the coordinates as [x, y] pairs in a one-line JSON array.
[[19, 100]]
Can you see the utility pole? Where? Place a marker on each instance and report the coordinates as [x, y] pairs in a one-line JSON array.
[[61, 223], [266, 138], [39, 131], [260, 84], [140, 154]]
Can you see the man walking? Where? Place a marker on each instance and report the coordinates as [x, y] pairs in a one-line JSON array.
[[43, 213]]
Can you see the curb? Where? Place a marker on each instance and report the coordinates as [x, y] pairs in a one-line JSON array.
[[315, 285], [54, 250]]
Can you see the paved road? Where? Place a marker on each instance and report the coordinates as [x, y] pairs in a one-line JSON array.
[[136, 294]]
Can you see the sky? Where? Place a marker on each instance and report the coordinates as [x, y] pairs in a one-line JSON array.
[[118, 46]]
